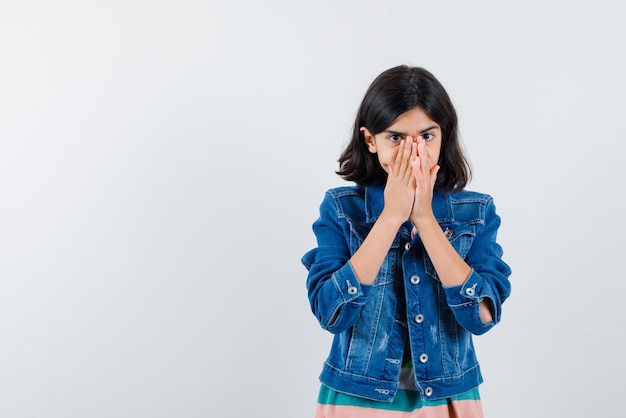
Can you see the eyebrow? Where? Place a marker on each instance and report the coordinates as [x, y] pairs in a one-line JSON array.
[[405, 134]]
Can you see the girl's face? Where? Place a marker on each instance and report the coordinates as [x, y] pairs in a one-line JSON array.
[[410, 125]]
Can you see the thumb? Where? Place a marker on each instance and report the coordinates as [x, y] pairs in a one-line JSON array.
[[434, 171]]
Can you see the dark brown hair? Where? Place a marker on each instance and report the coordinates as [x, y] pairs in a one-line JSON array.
[[393, 92]]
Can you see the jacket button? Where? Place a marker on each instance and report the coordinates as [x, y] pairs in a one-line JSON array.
[[415, 279], [423, 358], [428, 391], [352, 290], [469, 291], [448, 233], [419, 318], [407, 246]]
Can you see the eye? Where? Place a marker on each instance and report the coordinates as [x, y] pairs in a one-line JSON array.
[[428, 136], [395, 138]]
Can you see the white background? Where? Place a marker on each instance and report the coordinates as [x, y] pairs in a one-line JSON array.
[[161, 164]]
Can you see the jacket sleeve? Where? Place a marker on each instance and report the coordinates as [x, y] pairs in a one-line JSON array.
[[335, 294], [488, 279]]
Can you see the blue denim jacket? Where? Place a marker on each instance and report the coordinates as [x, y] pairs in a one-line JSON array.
[[406, 306]]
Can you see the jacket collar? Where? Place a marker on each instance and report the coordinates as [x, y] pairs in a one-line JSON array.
[[374, 200]]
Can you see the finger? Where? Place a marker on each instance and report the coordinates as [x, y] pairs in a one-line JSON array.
[[416, 166], [433, 173], [412, 160], [398, 160], [424, 157], [409, 151], [403, 157], [406, 150]]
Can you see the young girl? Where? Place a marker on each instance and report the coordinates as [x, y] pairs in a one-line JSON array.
[[407, 266]]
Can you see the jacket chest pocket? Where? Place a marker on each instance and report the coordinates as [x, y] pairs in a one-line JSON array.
[[461, 236], [358, 232]]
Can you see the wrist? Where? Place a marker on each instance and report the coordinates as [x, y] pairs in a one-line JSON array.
[[424, 222], [390, 220]]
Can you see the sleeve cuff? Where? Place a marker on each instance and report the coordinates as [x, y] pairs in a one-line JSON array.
[[347, 284], [464, 300]]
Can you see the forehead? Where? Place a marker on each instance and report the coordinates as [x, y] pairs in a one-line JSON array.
[[414, 120]]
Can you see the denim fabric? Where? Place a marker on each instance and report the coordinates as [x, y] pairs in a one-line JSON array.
[[406, 306]]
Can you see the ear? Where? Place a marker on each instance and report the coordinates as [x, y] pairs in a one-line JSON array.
[[369, 139]]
